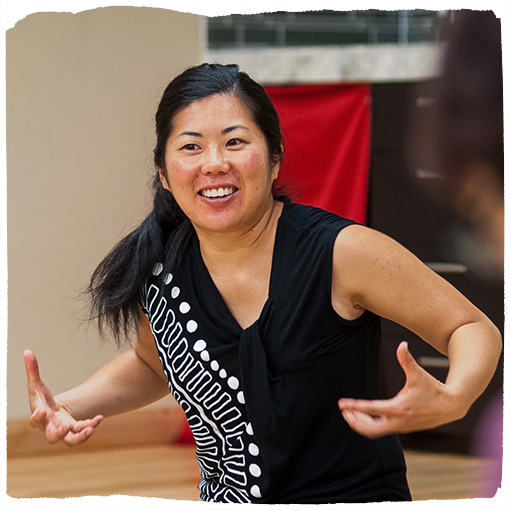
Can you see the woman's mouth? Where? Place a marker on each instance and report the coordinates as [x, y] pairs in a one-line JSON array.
[[217, 192]]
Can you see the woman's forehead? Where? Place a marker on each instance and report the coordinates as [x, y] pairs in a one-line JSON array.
[[212, 111]]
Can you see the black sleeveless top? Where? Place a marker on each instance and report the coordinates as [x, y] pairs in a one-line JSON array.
[[262, 402]]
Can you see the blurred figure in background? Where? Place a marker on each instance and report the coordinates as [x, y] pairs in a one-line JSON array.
[[469, 152], [470, 126]]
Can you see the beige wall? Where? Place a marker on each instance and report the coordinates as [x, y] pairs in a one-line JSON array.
[[82, 90]]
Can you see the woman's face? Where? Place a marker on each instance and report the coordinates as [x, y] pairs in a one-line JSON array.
[[218, 166]]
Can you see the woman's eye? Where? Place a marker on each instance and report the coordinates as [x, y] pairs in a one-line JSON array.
[[191, 147], [234, 142]]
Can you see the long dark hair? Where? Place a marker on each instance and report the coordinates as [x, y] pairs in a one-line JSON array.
[[115, 284]]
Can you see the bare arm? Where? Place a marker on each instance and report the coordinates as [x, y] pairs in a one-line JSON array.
[[132, 380], [373, 272]]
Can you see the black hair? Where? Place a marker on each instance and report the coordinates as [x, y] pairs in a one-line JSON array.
[[115, 284]]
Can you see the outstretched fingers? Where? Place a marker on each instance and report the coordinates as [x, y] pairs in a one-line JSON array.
[[76, 438], [419, 405], [367, 425], [82, 424], [370, 418], [82, 430], [56, 422], [372, 407], [57, 432]]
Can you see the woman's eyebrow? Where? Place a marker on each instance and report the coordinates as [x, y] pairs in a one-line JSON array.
[[223, 132], [231, 128], [190, 133]]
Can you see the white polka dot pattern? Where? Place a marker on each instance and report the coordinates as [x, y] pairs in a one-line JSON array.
[[191, 326], [193, 368], [255, 491], [233, 382], [184, 307], [199, 345], [255, 470]]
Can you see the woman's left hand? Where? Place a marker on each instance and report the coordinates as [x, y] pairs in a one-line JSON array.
[[423, 403]]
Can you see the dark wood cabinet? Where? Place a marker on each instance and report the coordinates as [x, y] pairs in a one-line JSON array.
[[401, 205]]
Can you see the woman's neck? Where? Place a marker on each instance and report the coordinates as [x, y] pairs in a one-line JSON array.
[[226, 253]]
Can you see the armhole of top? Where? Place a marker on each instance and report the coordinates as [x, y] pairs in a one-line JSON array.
[[328, 275]]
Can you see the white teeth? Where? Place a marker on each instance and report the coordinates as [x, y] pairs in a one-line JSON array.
[[220, 192]]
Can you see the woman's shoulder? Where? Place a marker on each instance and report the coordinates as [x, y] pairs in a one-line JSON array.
[[308, 217]]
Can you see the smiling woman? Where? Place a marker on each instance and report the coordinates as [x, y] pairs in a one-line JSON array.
[[217, 166], [262, 317]]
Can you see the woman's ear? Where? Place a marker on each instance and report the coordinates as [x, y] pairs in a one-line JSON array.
[[275, 171], [276, 166], [163, 179]]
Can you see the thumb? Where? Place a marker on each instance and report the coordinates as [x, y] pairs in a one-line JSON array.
[[407, 361], [31, 366]]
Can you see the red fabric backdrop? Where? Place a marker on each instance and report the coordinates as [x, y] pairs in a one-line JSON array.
[[327, 133]]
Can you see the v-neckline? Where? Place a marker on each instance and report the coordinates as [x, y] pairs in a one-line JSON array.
[[214, 291]]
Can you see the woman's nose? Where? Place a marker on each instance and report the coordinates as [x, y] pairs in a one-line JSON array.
[[215, 162]]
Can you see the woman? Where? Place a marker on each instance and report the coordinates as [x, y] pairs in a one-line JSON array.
[[262, 317]]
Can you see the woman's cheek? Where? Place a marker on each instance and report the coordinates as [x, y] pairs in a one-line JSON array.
[[255, 163], [181, 172]]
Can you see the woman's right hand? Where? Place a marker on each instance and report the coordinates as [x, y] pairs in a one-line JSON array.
[[48, 416]]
